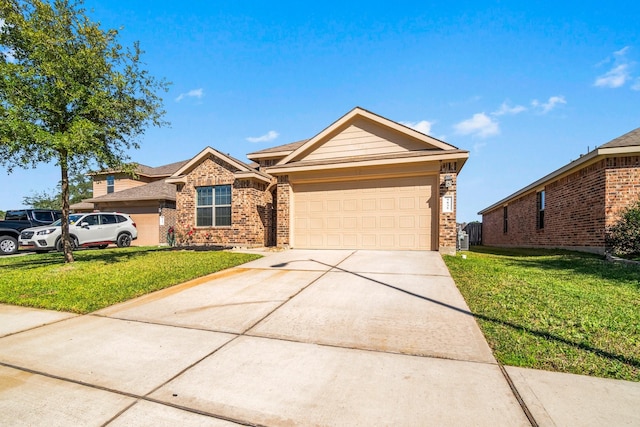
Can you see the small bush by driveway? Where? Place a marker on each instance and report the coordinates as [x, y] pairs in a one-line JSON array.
[[554, 310], [99, 278]]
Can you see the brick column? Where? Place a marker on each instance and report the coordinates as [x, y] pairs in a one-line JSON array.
[[447, 230], [282, 214]]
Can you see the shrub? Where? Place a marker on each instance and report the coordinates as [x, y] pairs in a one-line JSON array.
[[623, 238]]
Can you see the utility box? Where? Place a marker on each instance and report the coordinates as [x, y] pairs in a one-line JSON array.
[[463, 241]]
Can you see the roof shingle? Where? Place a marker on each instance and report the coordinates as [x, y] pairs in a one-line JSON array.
[[629, 139]]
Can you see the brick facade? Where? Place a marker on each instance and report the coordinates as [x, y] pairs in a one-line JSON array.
[[447, 231], [168, 211], [622, 185], [578, 207], [283, 194], [250, 208]]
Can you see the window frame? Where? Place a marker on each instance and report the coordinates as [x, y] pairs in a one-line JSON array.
[[541, 202], [215, 207], [505, 219], [111, 184]]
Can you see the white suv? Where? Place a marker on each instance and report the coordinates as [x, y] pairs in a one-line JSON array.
[[86, 230]]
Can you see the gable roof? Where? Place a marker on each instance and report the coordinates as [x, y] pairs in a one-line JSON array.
[[243, 170], [312, 143], [429, 148], [627, 144], [156, 190]]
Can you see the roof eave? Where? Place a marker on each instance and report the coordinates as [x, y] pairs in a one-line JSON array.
[[580, 162], [274, 154], [284, 169], [258, 176]]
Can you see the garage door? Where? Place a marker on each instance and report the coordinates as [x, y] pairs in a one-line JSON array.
[[148, 229], [392, 213]]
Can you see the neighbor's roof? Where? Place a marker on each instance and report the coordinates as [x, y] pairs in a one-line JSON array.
[[629, 143], [156, 190], [150, 171], [630, 139]]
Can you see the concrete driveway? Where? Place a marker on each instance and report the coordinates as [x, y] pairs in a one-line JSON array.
[[295, 338]]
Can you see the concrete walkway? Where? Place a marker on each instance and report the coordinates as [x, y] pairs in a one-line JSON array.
[[295, 338]]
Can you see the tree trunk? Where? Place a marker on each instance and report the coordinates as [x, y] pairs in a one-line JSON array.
[[66, 239]]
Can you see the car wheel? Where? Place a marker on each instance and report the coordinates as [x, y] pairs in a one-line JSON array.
[[124, 240], [60, 247], [8, 245]]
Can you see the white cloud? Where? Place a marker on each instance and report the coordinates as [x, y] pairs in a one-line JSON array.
[[615, 77], [620, 72], [194, 93], [423, 126], [622, 52], [505, 108], [269, 136], [479, 125], [545, 107], [636, 84]]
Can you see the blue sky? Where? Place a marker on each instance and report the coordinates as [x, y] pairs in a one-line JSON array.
[[526, 87]]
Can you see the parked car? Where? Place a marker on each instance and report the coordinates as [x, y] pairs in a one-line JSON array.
[[96, 229], [19, 219]]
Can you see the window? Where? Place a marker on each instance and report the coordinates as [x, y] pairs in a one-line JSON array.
[[90, 220], [16, 216], [110, 184], [540, 202], [108, 219], [505, 220], [213, 206], [43, 216]]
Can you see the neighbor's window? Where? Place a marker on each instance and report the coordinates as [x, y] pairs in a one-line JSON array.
[[213, 206], [505, 219], [110, 183], [540, 204]]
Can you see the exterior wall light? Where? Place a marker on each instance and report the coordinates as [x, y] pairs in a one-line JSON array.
[[448, 181]]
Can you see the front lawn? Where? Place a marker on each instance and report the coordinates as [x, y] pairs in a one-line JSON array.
[[100, 278], [554, 310]]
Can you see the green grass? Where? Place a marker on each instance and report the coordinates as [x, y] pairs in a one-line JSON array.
[[100, 278], [554, 310]]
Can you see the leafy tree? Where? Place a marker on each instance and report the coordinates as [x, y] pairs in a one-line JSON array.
[[80, 188], [69, 92], [624, 236], [2, 213]]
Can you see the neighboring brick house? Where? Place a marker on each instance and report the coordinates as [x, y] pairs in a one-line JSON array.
[[571, 207], [364, 182]]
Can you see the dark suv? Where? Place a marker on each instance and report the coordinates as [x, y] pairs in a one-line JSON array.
[[17, 220]]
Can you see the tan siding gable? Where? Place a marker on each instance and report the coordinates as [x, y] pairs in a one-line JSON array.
[[120, 183], [363, 138]]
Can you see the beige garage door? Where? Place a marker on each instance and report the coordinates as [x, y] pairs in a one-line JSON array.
[[393, 213], [148, 229]]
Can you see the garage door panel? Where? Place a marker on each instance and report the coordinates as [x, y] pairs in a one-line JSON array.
[[369, 222], [392, 213], [387, 222]]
